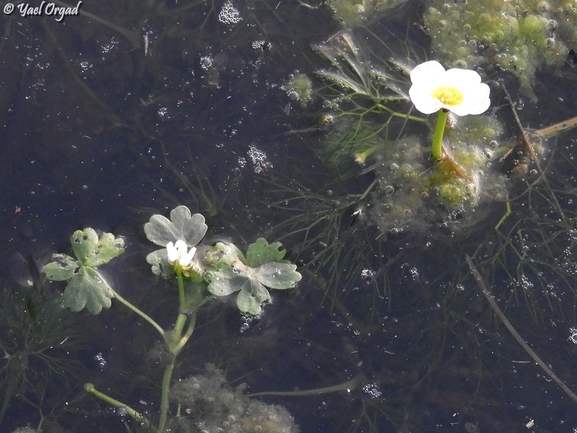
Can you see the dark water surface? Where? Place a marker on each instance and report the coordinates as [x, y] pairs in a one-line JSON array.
[[166, 103]]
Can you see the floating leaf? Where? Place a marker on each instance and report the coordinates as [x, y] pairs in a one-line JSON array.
[[225, 281], [233, 275], [261, 252], [92, 251], [87, 288], [159, 261], [251, 298], [277, 275], [181, 226], [62, 267]]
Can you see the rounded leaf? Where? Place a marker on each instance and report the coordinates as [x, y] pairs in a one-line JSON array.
[[87, 289], [62, 268], [92, 251], [277, 275], [160, 264], [250, 300], [181, 226]]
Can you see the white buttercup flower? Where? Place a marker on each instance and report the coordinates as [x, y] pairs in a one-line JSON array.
[[457, 90], [179, 253]]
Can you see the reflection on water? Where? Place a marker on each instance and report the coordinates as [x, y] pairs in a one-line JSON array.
[[109, 118]]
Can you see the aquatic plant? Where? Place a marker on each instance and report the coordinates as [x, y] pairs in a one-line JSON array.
[[37, 337], [215, 406], [355, 12], [517, 37], [459, 91], [202, 272]]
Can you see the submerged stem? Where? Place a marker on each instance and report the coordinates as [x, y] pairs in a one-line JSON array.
[[513, 331], [437, 149], [166, 378], [137, 416], [140, 313]]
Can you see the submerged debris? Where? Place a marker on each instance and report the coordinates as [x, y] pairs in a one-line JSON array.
[[216, 407]]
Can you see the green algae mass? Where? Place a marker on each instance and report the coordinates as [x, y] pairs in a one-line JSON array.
[[299, 87], [355, 12], [515, 36], [412, 193]]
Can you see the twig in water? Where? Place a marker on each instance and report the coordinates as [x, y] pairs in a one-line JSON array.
[[513, 331]]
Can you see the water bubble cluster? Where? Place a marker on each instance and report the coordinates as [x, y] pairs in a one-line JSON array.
[[259, 159], [216, 407], [412, 194], [229, 14], [515, 36]]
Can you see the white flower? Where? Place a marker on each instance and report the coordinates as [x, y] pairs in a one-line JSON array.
[[177, 253], [457, 90]]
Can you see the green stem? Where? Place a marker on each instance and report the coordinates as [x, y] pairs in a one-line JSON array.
[[164, 396], [141, 314], [504, 217], [176, 333], [438, 136], [184, 339], [175, 341], [137, 416], [180, 281]]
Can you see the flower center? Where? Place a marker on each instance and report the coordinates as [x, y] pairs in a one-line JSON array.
[[448, 95]]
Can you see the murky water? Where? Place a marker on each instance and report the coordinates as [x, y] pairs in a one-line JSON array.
[[125, 111]]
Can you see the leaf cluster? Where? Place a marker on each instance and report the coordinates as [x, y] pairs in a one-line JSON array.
[[86, 287], [252, 275]]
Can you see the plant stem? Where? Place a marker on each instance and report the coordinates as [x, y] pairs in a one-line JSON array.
[[176, 333], [175, 341], [167, 377], [184, 339], [437, 149], [137, 416], [141, 314]]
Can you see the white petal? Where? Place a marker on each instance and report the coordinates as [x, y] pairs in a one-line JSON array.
[[172, 252], [181, 247], [464, 77], [186, 259], [427, 72], [421, 97]]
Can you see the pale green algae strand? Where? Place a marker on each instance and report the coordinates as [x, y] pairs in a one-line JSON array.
[[517, 36], [354, 12]]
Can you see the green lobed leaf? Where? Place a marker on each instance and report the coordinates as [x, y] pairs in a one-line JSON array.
[[83, 242], [159, 261], [87, 289], [182, 225], [251, 297], [252, 282], [224, 282], [261, 252], [62, 268], [277, 275], [92, 251]]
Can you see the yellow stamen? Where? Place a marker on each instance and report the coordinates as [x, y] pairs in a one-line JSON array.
[[448, 95]]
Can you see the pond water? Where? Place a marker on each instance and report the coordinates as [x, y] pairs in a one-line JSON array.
[[128, 110]]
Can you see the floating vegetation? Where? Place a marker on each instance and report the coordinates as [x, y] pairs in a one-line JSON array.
[[355, 12], [517, 37], [216, 407], [299, 87]]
